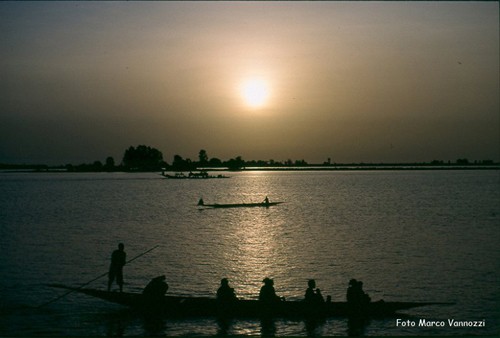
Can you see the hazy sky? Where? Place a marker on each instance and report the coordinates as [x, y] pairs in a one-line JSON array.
[[350, 81]]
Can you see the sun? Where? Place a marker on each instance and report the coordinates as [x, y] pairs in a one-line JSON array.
[[255, 92]]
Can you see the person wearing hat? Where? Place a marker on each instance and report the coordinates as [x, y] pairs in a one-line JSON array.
[[225, 293], [267, 293]]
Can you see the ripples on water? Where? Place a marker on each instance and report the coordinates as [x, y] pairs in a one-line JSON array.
[[410, 236]]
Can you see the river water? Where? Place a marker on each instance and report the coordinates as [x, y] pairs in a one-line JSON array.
[[408, 235]]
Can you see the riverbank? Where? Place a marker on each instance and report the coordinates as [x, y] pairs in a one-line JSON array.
[[306, 168]]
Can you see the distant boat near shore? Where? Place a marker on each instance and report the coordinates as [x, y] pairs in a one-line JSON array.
[[192, 175]]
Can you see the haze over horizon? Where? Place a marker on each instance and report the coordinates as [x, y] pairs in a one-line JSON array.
[[351, 81]]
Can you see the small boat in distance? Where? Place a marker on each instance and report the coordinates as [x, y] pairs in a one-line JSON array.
[[241, 205], [192, 175], [265, 204]]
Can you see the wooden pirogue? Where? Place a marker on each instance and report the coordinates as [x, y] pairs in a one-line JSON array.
[[241, 205], [176, 306]]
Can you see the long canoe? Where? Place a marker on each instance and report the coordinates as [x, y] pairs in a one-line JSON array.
[[194, 176], [175, 306], [241, 205]]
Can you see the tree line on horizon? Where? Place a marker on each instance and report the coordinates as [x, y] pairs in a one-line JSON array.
[[150, 159], [146, 158]]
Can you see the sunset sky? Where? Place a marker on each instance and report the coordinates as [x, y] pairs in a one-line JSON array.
[[350, 81]]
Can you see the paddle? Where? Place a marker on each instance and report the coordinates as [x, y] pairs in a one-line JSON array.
[[100, 276]]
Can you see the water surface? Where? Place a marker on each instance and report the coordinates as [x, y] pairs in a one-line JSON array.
[[408, 235]]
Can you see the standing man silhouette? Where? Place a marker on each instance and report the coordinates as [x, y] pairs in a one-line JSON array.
[[118, 259]]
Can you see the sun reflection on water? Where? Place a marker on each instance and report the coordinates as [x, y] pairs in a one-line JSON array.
[[256, 253]]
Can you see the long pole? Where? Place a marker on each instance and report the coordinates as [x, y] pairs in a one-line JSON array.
[[100, 276]]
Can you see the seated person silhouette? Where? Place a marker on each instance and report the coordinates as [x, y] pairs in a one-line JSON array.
[[225, 293], [313, 296], [156, 288], [357, 299], [267, 293]]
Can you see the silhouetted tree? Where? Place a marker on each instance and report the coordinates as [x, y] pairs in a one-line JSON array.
[[215, 162], [97, 165], [178, 163], [235, 163], [143, 158], [110, 163], [181, 164], [203, 157]]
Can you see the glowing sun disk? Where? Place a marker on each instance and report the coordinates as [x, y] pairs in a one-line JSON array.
[[255, 92]]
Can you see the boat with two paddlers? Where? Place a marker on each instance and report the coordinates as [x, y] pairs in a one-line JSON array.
[[185, 307], [265, 204], [241, 205]]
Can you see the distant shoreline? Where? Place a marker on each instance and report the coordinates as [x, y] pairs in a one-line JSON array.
[[370, 168], [346, 167]]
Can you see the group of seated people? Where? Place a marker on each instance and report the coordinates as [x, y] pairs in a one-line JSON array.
[[157, 287], [267, 292]]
